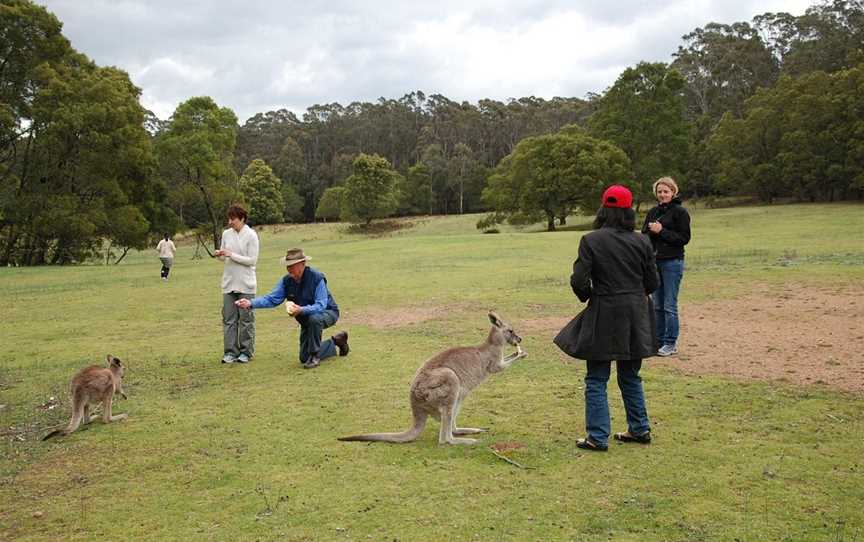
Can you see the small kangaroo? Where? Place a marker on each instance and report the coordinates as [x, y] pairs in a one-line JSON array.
[[94, 384], [443, 382]]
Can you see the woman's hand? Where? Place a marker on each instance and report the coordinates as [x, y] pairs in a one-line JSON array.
[[655, 227]]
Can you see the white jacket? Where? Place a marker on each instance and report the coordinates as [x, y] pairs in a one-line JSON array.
[[239, 273], [166, 248]]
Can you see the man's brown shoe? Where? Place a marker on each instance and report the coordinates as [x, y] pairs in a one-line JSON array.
[[341, 341]]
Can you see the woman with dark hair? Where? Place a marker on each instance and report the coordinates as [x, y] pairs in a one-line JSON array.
[[615, 272], [668, 227], [239, 251], [167, 250]]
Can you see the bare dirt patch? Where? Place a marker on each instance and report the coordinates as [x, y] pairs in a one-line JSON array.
[[793, 334], [797, 334], [379, 318]]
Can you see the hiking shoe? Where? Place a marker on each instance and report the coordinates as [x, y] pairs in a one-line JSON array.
[[644, 438], [228, 358], [313, 362], [588, 444], [341, 341], [242, 358], [668, 350]]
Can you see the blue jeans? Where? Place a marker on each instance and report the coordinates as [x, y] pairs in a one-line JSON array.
[[666, 300], [597, 422], [311, 328]]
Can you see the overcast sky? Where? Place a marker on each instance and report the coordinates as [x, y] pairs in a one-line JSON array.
[[256, 56]]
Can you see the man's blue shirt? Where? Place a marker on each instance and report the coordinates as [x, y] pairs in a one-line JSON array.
[[277, 297]]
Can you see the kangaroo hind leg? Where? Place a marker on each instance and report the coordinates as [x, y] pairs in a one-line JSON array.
[[463, 430], [86, 417], [445, 436], [106, 412]]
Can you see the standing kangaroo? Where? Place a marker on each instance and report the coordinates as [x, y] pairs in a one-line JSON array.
[[94, 384], [443, 382]]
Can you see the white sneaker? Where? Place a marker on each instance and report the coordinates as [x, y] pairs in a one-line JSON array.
[[668, 350], [242, 358], [228, 358]]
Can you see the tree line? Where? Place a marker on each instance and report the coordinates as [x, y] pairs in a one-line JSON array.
[[769, 108]]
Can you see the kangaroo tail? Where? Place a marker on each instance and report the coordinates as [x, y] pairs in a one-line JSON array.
[[408, 435], [77, 415], [56, 433]]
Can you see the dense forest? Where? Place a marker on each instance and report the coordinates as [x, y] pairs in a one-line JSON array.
[[770, 108]]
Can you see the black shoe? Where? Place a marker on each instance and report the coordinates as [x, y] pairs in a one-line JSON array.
[[341, 340], [588, 444], [644, 438], [313, 362]]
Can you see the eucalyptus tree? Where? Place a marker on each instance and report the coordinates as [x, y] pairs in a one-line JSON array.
[[196, 149], [828, 37], [262, 191], [548, 176], [75, 160], [330, 204], [370, 192], [643, 114], [801, 138], [722, 66]]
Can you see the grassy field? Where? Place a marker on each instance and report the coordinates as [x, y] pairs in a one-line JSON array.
[[216, 452]]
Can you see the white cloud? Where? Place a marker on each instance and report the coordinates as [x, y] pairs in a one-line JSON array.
[[261, 55]]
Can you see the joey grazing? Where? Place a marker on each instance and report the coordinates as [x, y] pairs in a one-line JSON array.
[[442, 383], [93, 385]]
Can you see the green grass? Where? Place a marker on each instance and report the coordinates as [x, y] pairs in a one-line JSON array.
[[213, 452]]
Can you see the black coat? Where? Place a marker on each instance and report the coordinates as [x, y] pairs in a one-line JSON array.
[[615, 272], [669, 243]]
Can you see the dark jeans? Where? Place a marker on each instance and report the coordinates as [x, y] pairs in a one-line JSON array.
[[666, 300], [597, 421], [311, 329]]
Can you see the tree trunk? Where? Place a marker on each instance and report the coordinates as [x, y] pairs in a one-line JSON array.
[[120, 259], [550, 222], [10, 244], [208, 204]]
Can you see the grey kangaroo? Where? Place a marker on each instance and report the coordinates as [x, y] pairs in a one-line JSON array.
[[443, 382], [94, 384]]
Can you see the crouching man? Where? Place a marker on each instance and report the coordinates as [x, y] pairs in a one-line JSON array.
[[309, 301]]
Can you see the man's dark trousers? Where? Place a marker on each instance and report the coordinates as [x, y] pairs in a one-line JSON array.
[[311, 329]]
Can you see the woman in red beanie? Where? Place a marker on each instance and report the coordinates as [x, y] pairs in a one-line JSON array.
[[615, 272]]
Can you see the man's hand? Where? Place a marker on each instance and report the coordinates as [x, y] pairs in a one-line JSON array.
[[223, 252], [243, 304], [292, 308]]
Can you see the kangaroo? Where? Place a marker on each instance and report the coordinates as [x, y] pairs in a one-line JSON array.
[[94, 384], [442, 383]]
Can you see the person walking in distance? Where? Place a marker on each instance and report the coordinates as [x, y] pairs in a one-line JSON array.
[[239, 251], [166, 250]]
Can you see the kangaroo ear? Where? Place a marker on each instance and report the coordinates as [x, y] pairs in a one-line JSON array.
[[495, 320], [111, 359]]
